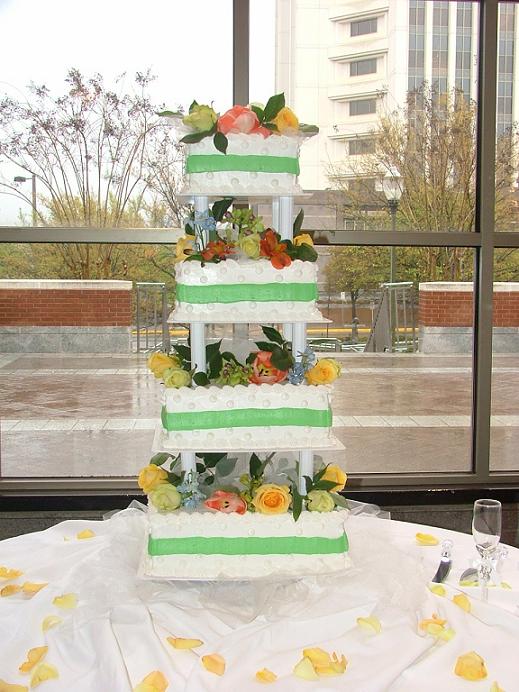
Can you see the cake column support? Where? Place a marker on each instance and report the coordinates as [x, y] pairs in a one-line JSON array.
[[282, 220], [201, 205], [298, 340], [306, 468]]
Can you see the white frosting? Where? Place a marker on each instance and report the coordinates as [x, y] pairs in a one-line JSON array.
[[246, 271], [244, 182], [184, 524]]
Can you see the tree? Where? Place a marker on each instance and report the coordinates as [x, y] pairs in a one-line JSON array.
[[97, 156], [431, 144]]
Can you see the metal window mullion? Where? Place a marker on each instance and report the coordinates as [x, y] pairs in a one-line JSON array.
[[484, 226]]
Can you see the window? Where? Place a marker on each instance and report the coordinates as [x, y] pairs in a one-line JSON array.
[[360, 67], [363, 26], [357, 147], [363, 106]]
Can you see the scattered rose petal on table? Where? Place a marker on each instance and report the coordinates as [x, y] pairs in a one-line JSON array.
[[426, 539], [67, 601], [318, 656], [495, 687], [438, 589], [265, 676], [318, 663], [305, 670], [34, 656], [471, 667], [43, 672], [153, 682], [181, 643], [12, 687], [505, 585], [9, 590], [50, 621], [86, 533], [30, 588], [214, 663], [371, 625], [462, 601], [7, 573], [436, 627], [336, 666]]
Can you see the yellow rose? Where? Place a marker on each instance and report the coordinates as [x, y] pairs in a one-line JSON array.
[[183, 248], [250, 245], [272, 499], [159, 362], [201, 118], [165, 498], [320, 501], [470, 667], [150, 477], [336, 474], [303, 238], [324, 371], [176, 377], [286, 121]]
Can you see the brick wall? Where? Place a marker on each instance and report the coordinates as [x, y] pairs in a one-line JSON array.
[[446, 304], [62, 303]]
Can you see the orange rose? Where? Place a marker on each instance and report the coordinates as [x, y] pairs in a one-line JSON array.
[[286, 121], [324, 371], [272, 499]]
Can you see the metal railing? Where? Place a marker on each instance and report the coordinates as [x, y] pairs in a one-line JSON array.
[[394, 322], [151, 316]]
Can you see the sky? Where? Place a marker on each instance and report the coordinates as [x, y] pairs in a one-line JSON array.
[[187, 45]]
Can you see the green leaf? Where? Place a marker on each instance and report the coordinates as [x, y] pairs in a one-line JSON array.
[[201, 379], [320, 473], [211, 458], [192, 106], [159, 458], [281, 359], [220, 142], [271, 126], [174, 478], [324, 485], [254, 465], [309, 129], [195, 137], [251, 358], [226, 466], [259, 112], [298, 222], [209, 480], [190, 230], [212, 349], [297, 503], [215, 365], [274, 105], [220, 207], [170, 114], [306, 253], [200, 468], [230, 357], [308, 483], [273, 335], [183, 351], [340, 501], [266, 346]]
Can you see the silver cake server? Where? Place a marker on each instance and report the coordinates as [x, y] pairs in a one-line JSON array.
[[445, 563]]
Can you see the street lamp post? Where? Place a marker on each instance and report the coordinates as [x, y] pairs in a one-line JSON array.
[[23, 179]]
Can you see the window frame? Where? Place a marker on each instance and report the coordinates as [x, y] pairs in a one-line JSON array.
[[358, 22], [363, 61]]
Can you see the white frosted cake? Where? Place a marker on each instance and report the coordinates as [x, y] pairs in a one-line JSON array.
[[245, 289], [253, 165], [213, 418], [203, 545]]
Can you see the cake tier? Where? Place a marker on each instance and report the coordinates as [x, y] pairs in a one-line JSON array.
[[246, 290], [253, 165], [206, 545], [253, 417]]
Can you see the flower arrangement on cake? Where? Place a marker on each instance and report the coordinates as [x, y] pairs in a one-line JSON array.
[[275, 118], [168, 489], [272, 363]]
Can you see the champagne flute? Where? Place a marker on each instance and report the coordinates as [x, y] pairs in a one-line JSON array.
[[486, 530]]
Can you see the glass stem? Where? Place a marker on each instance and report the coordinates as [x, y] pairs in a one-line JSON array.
[[484, 571]]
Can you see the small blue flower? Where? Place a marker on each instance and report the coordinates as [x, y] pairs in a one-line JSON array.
[[204, 221], [296, 374]]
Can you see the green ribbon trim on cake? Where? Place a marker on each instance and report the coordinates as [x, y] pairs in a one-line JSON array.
[[246, 418], [236, 293], [204, 163], [251, 545]]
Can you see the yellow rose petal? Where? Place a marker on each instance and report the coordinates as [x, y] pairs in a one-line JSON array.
[[43, 672], [505, 585], [469, 582], [462, 602], [434, 620], [33, 657], [86, 533], [9, 590], [30, 588], [494, 688], [214, 663], [370, 624], [50, 621], [317, 656], [67, 601], [8, 687], [305, 670], [438, 589], [153, 682], [426, 539], [181, 643], [7, 573], [471, 667], [265, 676]]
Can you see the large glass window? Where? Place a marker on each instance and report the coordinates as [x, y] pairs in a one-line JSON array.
[[363, 26], [363, 106], [361, 67]]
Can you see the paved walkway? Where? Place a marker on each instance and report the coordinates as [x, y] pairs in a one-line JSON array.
[[94, 415]]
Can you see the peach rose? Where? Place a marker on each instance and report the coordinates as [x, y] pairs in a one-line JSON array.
[[263, 372], [272, 499], [225, 502], [238, 119]]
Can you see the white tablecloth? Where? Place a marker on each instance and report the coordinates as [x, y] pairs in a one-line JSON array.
[[118, 632]]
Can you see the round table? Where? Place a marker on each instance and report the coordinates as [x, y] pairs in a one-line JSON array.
[[114, 628]]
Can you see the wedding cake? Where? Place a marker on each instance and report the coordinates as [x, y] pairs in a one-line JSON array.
[[284, 519]]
